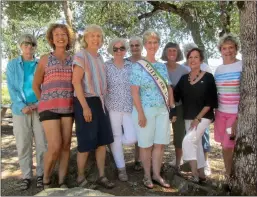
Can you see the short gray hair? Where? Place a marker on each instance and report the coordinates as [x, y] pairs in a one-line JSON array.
[[151, 33], [27, 38], [90, 29], [138, 39], [188, 47], [172, 45], [115, 41], [229, 37]]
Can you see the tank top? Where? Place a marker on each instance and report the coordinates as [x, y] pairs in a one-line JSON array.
[[56, 89]]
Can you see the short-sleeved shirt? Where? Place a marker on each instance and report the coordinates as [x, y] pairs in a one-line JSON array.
[[118, 97], [227, 79], [195, 97], [150, 94], [94, 80], [175, 76]]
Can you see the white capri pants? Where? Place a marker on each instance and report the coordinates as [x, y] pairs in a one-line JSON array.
[[192, 142], [126, 137]]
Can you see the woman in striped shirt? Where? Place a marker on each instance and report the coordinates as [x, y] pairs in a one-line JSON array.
[[227, 77]]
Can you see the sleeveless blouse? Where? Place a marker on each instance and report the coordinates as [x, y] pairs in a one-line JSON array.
[[57, 89]]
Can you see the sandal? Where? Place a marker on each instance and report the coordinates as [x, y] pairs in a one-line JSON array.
[[40, 182], [24, 185], [138, 166], [103, 181], [162, 182], [82, 183], [47, 185], [194, 179], [63, 185], [148, 183]]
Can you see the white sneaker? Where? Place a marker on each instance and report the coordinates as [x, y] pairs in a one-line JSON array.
[[207, 169]]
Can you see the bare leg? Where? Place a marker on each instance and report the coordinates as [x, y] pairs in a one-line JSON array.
[[193, 165], [178, 152], [54, 143], [158, 151], [100, 154], [81, 163], [66, 123], [145, 156], [228, 158]]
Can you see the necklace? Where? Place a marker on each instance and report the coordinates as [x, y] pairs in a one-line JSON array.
[[189, 76]]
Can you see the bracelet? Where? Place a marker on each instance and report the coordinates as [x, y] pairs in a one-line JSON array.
[[198, 119]]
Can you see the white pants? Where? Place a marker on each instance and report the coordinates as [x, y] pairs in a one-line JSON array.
[[128, 137], [192, 142], [24, 128]]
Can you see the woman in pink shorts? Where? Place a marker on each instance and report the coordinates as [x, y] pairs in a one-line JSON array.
[[227, 77]]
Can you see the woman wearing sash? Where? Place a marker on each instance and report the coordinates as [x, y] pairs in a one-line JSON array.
[[152, 96], [198, 93], [93, 127]]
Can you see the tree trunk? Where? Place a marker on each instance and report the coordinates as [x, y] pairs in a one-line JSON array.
[[244, 171]]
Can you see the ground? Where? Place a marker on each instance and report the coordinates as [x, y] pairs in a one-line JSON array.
[[11, 173]]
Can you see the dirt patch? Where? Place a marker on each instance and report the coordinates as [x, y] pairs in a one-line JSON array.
[[10, 173]]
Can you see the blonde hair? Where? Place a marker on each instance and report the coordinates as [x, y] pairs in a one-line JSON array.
[[229, 37], [115, 41], [89, 29], [70, 34], [151, 33]]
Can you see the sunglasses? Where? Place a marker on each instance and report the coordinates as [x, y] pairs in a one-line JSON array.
[[29, 43], [115, 49], [134, 45]]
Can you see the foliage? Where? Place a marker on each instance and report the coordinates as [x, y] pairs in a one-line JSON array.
[[5, 96]]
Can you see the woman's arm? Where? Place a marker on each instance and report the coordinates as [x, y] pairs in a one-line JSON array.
[[138, 105], [77, 77], [39, 76]]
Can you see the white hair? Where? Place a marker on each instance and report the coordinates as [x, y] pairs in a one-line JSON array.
[[187, 47], [115, 41]]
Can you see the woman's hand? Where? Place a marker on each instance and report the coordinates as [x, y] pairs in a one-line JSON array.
[[194, 124], [141, 119], [27, 110], [87, 114], [174, 118]]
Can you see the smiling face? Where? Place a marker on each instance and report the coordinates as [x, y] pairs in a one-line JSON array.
[[172, 54], [151, 45], [94, 40], [194, 60], [228, 51], [135, 48], [119, 50], [60, 38]]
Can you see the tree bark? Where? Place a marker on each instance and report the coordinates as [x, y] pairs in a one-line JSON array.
[[244, 171]]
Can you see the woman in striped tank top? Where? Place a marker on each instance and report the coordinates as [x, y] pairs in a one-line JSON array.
[[53, 88]]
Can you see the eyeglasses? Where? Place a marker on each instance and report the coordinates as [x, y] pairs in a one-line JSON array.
[[29, 43], [134, 45], [115, 49]]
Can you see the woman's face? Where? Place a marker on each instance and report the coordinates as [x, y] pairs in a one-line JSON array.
[[60, 38], [119, 50], [94, 40], [194, 60], [135, 48], [151, 45], [28, 48], [228, 51], [172, 54]]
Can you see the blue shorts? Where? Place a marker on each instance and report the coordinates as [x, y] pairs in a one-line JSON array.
[[91, 135], [157, 129]]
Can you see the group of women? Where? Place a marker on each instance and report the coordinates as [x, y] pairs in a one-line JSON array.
[[123, 101]]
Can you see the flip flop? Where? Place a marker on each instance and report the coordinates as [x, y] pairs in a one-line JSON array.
[[162, 182], [147, 183]]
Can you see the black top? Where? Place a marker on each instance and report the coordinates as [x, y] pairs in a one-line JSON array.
[[196, 97]]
